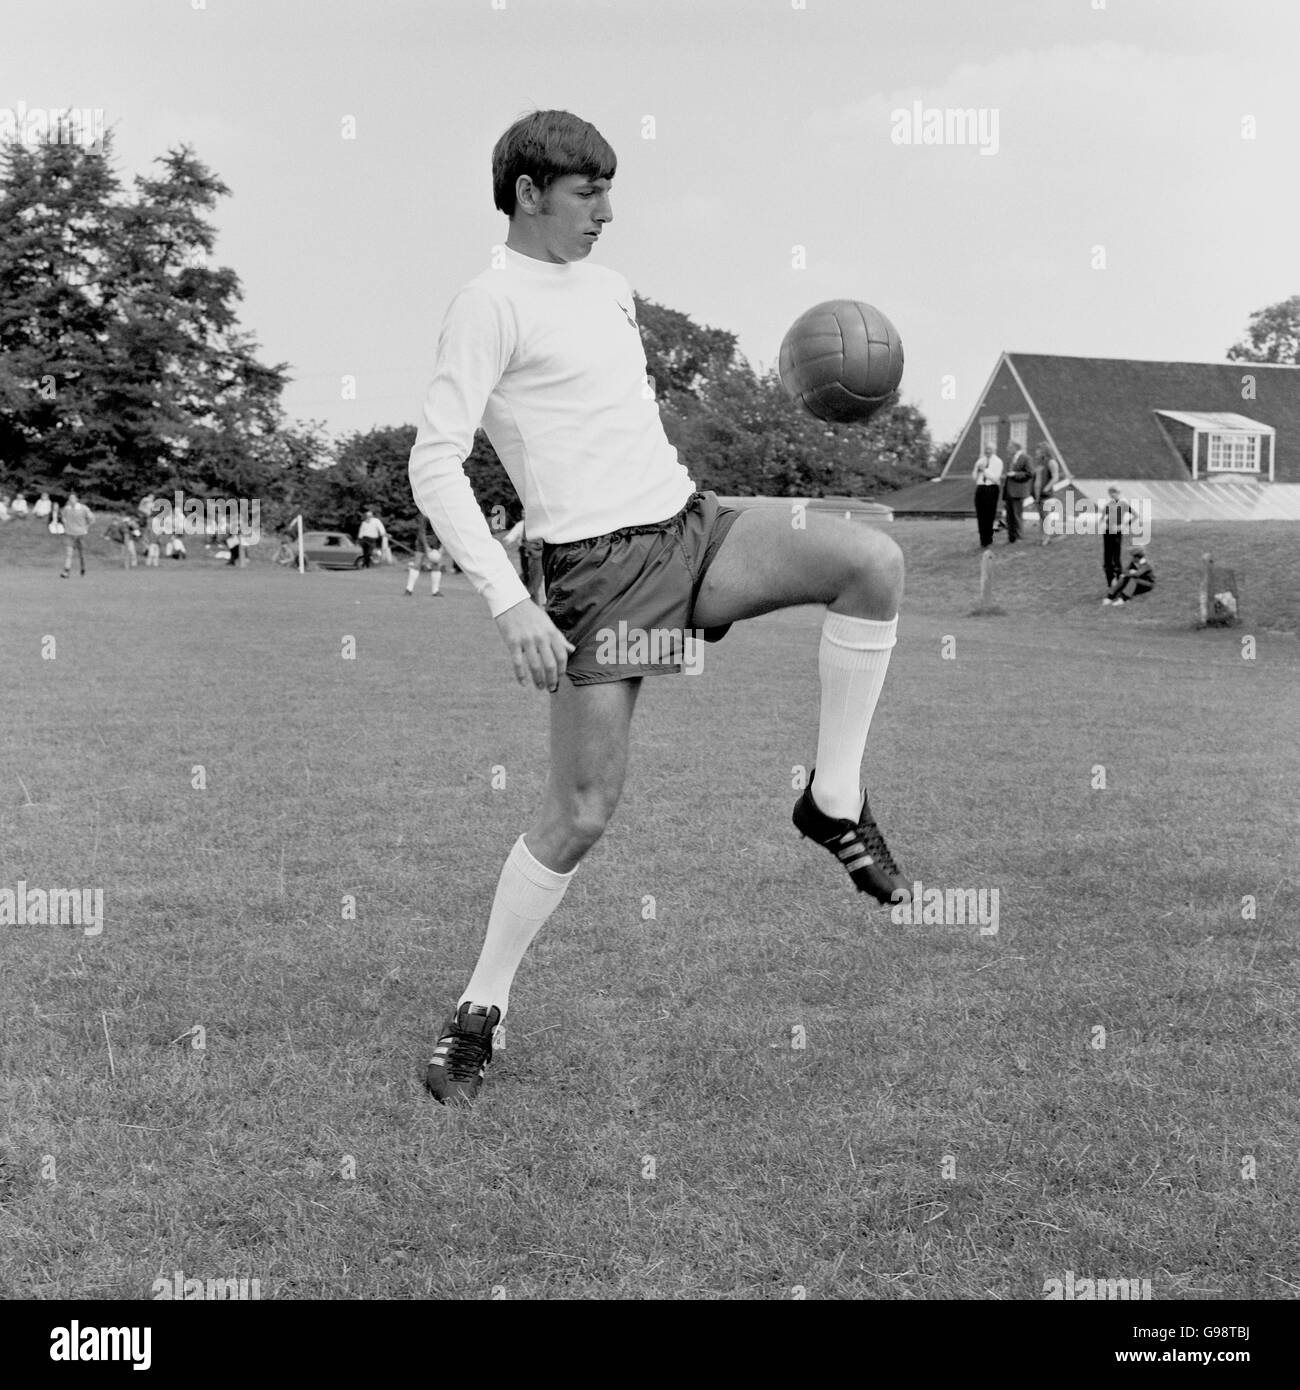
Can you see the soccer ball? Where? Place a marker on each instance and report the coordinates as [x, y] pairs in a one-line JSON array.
[[842, 361]]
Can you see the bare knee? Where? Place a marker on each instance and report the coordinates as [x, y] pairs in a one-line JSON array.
[[874, 582], [587, 815], [570, 825]]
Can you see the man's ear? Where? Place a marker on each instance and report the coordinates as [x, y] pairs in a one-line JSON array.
[[528, 197]]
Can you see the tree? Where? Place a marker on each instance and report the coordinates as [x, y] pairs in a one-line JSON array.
[[746, 437], [1273, 335], [741, 435], [56, 233], [681, 356], [370, 469], [122, 366]]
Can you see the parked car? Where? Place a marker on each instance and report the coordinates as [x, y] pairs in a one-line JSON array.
[[331, 550]]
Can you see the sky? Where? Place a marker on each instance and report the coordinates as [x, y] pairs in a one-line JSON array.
[[1130, 188]]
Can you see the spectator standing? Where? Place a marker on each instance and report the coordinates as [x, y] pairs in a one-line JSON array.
[[370, 534], [987, 474], [1114, 522], [125, 532], [75, 519], [1047, 473], [1018, 485]]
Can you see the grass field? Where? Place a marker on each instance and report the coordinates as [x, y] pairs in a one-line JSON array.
[[951, 1128]]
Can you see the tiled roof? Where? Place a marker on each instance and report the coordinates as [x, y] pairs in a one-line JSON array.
[[1101, 410]]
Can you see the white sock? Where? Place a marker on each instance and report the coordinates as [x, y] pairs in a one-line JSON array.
[[435, 581], [527, 894], [411, 577], [852, 661]]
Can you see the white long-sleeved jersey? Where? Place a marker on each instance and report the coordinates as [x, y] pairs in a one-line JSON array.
[[548, 358]]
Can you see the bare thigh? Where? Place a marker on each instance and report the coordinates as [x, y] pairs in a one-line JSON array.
[[768, 562], [590, 735]]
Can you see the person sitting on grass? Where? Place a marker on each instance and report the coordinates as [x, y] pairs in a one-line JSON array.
[[1138, 579]]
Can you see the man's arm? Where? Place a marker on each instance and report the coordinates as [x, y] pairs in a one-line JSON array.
[[474, 349]]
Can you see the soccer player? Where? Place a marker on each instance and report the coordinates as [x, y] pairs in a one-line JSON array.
[[543, 349], [426, 558], [76, 519]]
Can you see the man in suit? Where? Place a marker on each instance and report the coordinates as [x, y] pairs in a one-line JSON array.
[[1018, 485]]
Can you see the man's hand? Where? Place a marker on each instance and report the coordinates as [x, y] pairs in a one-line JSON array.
[[537, 647]]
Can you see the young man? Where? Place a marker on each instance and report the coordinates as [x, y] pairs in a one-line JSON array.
[[76, 519], [1114, 523], [426, 558], [544, 349], [1138, 579]]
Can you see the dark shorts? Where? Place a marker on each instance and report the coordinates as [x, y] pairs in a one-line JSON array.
[[626, 600]]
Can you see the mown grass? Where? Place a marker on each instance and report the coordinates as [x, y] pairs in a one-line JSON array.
[[950, 1129]]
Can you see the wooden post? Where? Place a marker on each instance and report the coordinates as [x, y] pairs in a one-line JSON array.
[[1207, 582], [986, 607]]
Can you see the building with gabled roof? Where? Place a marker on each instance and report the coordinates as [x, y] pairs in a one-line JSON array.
[[1201, 440]]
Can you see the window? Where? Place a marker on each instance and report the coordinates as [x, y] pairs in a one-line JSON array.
[[1236, 452], [989, 434], [1019, 431]]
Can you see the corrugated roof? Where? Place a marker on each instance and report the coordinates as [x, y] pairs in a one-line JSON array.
[[943, 497], [1217, 420], [1215, 499]]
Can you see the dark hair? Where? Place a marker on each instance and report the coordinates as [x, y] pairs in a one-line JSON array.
[[546, 145]]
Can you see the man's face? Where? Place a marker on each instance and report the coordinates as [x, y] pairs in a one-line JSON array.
[[573, 211]]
